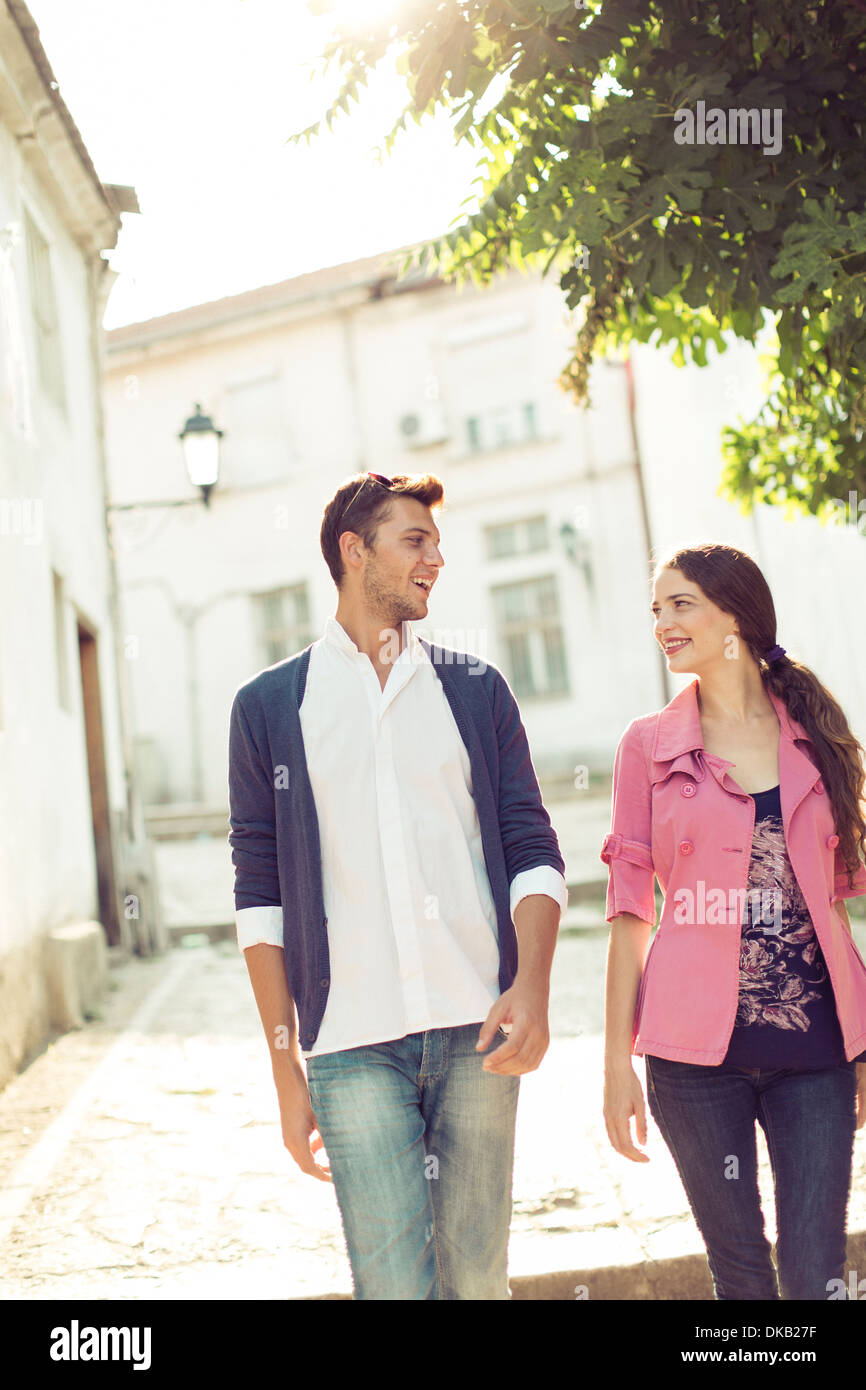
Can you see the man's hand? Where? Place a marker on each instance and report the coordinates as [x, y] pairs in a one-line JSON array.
[[524, 1005], [298, 1120], [277, 1012], [861, 1095], [525, 1008]]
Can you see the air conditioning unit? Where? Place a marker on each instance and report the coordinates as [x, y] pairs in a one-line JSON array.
[[425, 425]]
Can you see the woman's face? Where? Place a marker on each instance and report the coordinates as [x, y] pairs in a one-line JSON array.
[[691, 630]]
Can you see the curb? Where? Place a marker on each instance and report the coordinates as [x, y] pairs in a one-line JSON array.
[[682, 1279]]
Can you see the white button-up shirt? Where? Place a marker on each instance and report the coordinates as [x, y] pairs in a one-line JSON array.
[[412, 932]]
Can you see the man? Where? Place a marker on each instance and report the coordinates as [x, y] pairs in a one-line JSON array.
[[386, 823]]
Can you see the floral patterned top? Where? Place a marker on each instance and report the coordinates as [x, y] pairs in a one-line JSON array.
[[786, 1013]]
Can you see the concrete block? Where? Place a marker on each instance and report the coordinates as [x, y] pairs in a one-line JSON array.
[[23, 1006], [76, 971]]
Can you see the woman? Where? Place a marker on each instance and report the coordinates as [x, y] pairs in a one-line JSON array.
[[743, 797]]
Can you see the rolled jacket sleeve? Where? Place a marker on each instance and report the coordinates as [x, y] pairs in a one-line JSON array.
[[627, 849], [841, 886]]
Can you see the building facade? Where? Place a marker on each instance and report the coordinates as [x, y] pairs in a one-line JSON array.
[[547, 521], [73, 865]]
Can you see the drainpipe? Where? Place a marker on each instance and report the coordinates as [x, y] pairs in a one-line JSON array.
[[136, 857]]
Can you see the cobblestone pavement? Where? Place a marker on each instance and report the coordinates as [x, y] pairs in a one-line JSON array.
[[141, 1156]]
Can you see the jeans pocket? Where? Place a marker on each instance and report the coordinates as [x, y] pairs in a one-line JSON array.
[[666, 1066]]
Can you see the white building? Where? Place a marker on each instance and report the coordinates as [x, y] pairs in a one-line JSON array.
[[312, 380], [73, 861], [546, 560]]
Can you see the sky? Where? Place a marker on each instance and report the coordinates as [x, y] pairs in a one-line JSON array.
[[192, 102]]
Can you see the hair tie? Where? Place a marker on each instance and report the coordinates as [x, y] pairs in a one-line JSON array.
[[773, 654]]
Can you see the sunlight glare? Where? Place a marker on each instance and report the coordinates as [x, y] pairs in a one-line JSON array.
[[358, 14]]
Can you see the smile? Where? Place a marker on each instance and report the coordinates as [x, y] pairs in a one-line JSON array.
[[424, 583], [677, 645]]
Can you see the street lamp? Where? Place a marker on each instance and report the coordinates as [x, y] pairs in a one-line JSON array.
[[201, 448]]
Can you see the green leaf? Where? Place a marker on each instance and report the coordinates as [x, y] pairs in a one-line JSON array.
[[685, 240], [664, 275]]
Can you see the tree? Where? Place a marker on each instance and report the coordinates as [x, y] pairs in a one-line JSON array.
[[586, 168]]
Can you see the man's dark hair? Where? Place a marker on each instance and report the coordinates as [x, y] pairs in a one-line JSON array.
[[360, 504]]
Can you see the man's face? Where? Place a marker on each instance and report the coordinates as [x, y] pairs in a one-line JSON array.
[[406, 551]]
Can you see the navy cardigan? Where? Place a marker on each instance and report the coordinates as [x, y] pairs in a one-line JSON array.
[[274, 831]]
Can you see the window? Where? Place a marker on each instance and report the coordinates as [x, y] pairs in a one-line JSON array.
[[283, 622], [43, 303], [530, 635], [523, 537], [501, 427], [501, 541], [536, 533]]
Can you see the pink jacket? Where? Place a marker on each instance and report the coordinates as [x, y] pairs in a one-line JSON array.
[[678, 816]]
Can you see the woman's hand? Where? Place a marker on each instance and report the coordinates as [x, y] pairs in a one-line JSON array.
[[623, 1097]]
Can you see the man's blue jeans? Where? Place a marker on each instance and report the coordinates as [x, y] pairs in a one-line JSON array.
[[707, 1119], [420, 1141]]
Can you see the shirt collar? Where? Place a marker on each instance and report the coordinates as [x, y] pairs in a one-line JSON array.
[[679, 724], [337, 636]]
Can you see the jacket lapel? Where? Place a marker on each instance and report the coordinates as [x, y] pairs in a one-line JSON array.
[[678, 738], [678, 746]]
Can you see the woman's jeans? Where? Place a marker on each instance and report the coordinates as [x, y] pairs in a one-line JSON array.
[[420, 1142], [707, 1119]]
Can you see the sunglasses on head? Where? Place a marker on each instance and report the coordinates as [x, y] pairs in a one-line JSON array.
[[377, 478]]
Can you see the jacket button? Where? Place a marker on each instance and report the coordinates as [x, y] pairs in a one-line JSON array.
[[323, 983], [688, 789], [832, 841], [686, 847], [819, 786]]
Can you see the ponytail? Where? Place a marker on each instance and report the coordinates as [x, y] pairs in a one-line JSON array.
[[840, 755]]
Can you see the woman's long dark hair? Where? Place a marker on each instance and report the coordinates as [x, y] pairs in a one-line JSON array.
[[734, 583]]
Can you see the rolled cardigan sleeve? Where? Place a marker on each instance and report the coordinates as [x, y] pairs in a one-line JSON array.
[[841, 886], [627, 849], [252, 836], [544, 880]]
